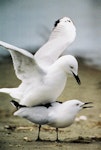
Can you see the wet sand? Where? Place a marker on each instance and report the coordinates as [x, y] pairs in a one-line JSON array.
[[17, 133]]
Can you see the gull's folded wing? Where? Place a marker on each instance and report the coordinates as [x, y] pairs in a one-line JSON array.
[[38, 115]]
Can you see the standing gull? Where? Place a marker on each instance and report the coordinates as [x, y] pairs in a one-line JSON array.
[[56, 114], [44, 75]]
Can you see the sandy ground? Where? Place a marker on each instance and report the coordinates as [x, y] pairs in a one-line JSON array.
[[17, 133]]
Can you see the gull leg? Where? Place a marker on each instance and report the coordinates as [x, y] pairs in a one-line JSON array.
[[57, 140], [38, 138]]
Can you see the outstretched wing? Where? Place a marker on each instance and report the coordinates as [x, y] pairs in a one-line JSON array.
[[51, 50], [49, 53], [23, 61], [62, 36]]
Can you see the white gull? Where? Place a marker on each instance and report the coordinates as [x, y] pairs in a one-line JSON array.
[[44, 75], [56, 114]]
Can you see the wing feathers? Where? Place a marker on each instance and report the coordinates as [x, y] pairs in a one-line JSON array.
[[23, 61], [14, 48]]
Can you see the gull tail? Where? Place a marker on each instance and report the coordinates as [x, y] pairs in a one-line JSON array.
[[6, 90], [13, 92]]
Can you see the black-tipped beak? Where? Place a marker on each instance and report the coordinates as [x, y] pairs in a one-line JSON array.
[[77, 78], [84, 105]]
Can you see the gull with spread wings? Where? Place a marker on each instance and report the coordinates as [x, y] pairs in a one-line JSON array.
[[44, 74]]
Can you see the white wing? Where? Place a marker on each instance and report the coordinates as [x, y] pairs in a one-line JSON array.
[[48, 53], [38, 115], [61, 37], [23, 61]]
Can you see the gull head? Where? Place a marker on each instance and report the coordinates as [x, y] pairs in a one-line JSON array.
[[74, 106], [70, 66], [65, 26]]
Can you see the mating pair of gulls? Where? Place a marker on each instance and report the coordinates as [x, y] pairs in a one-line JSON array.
[[44, 77]]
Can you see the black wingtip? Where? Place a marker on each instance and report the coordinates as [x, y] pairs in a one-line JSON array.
[[16, 104], [56, 22]]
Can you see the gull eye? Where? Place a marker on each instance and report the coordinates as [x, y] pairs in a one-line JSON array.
[[77, 104], [71, 67]]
